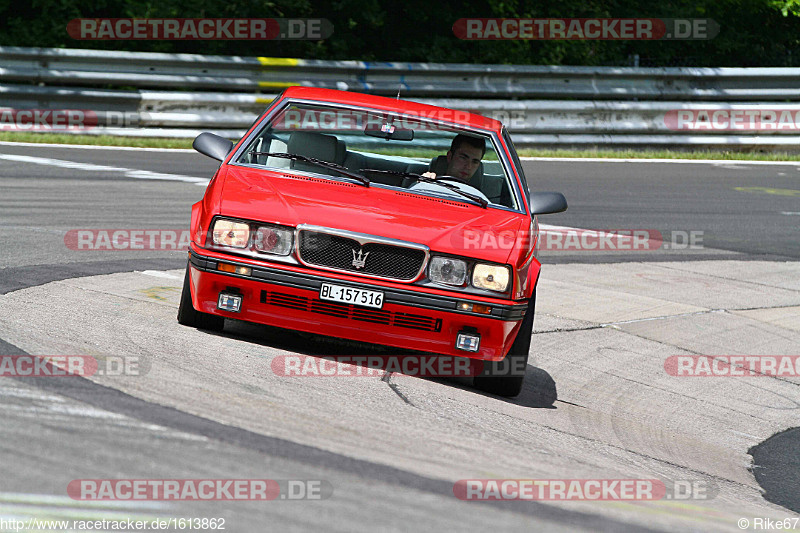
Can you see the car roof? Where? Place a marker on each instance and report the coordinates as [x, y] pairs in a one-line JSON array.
[[444, 114]]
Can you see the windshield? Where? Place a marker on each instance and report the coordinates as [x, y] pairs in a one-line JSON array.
[[387, 149]]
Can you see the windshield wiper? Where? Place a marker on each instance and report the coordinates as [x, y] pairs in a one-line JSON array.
[[319, 162], [475, 198]]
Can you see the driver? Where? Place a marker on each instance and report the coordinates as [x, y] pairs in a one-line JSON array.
[[463, 158]]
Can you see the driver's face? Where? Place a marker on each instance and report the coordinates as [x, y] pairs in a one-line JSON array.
[[463, 162]]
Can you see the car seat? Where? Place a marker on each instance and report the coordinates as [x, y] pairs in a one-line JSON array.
[[318, 146]]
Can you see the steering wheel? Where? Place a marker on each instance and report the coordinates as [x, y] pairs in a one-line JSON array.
[[463, 186], [457, 182]]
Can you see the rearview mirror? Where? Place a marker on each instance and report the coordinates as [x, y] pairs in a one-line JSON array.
[[389, 132], [213, 146], [544, 203]]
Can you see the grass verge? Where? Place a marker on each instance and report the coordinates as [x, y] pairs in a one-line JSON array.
[[150, 142], [94, 140]]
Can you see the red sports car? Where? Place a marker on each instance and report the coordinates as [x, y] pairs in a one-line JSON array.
[[372, 219]]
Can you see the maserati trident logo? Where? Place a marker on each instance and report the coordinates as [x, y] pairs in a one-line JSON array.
[[360, 260]]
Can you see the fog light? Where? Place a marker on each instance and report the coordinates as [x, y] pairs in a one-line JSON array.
[[229, 302], [469, 342]]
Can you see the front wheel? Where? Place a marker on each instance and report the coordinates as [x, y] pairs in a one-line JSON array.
[[189, 316], [505, 377]]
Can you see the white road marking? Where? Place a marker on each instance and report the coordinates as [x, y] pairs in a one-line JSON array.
[[97, 147], [158, 274], [91, 167], [55, 500], [717, 162], [49, 508], [593, 232], [564, 228], [738, 167], [790, 212]]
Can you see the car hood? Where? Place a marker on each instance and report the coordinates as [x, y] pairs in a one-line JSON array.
[[446, 226]]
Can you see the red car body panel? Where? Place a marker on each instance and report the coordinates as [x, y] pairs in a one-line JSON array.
[[445, 226], [346, 98], [496, 335], [288, 197]]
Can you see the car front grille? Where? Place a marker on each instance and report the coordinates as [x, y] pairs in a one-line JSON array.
[[342, 253], [352, 312]]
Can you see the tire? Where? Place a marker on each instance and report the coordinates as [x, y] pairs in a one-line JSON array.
[[505, 377], [189, 316]]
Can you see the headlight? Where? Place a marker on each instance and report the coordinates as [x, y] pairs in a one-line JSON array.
[[491, 277], [273, 240], [230, 233], [448, 270]]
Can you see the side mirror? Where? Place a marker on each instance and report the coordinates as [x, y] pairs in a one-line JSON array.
[[213, 146], [544, 203]]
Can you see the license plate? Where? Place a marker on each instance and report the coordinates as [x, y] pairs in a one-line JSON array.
[[349, 295]]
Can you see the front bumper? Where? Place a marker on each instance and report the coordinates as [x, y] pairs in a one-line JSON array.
[[287, 296]]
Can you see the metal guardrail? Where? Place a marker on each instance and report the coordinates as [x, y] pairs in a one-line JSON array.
[[541, 105], [233, 73]]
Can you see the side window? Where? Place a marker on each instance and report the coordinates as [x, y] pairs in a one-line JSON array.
[[518, 164]]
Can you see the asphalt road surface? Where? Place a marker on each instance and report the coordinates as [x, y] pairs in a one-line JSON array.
[[387, 450]]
